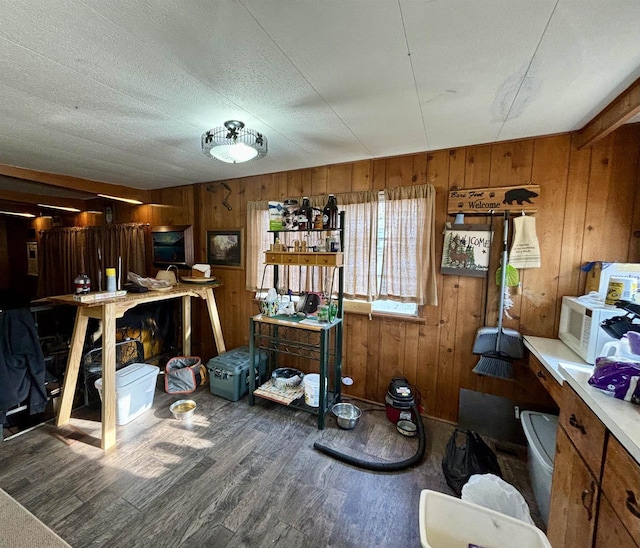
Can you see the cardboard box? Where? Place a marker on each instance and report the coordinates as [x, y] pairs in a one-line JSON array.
[[600, 273], [276, 215]]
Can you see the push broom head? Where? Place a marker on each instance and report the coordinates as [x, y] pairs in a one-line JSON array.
[[494, 366], [510, 343]]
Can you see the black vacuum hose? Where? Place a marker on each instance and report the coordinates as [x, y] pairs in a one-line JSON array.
[[383, 466]]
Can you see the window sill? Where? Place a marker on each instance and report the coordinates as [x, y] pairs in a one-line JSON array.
[[388, 316]]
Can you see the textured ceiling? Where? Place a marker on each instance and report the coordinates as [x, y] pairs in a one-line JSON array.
[[121, 91]]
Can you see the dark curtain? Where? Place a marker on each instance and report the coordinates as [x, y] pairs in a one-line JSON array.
[[67, 252]]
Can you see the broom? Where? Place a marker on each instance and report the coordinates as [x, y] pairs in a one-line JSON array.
[[498, 346]]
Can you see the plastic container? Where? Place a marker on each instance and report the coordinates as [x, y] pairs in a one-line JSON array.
[[620, 348], [111, 279], [449, 522], [540, 430], [135, 388], [229, 373], [312, 389]]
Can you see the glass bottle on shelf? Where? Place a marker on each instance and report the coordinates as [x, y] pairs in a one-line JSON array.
[[305, 215], [330, 214]]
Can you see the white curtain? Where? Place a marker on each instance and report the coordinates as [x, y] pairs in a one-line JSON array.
[[406, 240], [360, 241], [408, 269], [258, 241]]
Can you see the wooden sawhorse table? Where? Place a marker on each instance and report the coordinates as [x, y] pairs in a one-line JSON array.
[[108, 311]]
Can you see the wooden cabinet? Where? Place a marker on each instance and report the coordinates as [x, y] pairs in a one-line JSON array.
[[551, 385], [584, 429], [595, 497], [309, 259], [621, 486], [611, 531], [574, 497]]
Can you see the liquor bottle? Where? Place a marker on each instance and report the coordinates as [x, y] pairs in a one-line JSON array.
[[305, 215], [330, 214]]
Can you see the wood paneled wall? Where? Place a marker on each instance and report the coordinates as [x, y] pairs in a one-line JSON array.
[[589, 209]]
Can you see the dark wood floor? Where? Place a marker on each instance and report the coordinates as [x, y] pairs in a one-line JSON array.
[[234, 476]]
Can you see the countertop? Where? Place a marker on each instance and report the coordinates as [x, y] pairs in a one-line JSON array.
[[621, 418], [552, 352]]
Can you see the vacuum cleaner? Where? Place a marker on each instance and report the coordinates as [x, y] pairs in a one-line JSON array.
[[399, 394]]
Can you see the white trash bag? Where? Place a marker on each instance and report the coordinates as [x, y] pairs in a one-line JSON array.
[[492, 492]]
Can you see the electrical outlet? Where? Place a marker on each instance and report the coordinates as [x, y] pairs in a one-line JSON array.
[[517, 412]]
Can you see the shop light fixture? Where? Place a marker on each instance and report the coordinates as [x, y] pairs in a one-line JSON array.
[[61, 208], [127, 200], [16, 214], [233, 143]]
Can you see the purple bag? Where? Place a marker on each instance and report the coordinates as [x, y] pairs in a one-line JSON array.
[[617, 377]]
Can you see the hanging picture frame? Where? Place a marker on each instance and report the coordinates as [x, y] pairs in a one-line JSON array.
[[466, 250], [225, 248], [172, 245]]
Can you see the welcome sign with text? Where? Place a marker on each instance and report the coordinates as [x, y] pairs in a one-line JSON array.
[[494, 199]]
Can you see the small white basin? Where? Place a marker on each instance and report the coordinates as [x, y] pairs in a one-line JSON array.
[[449, 522]]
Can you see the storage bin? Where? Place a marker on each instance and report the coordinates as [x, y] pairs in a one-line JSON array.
[[183, 374], [448, 522], [229, 372], [135, 388], [540, 430]]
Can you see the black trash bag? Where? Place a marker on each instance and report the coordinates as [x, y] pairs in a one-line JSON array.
[[462, 462]]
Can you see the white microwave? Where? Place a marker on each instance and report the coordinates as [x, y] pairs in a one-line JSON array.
[[580, 319]]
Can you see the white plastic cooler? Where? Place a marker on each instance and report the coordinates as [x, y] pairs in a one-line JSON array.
[[135, 388]]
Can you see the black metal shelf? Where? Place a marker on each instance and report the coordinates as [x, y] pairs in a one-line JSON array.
[[305, 230], [321, 344]]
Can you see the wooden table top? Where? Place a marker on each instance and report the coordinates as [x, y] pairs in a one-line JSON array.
[[130, 300]]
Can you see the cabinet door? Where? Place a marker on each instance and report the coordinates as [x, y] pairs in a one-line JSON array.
[[574, 497], [584, 428], [621, 485], [610, 531]]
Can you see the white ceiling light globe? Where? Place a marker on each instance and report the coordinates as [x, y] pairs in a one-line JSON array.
[[233, 154]]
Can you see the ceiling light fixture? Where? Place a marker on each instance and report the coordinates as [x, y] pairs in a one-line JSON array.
[[62, 208], [16, 214], [233, 143], [128, 200]]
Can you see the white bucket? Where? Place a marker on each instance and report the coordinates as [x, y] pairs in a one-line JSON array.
[[312, 389]]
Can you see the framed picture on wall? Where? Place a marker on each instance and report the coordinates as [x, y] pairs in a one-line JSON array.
[[225, 248], [172, 245], [466, 250]]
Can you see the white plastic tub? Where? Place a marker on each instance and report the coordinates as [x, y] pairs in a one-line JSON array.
[[540, 430], [135, 388], [449, 522], [312, 389]]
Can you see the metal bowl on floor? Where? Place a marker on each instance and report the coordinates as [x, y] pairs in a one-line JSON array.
[[183, 409], [347, 415], [407, 428]]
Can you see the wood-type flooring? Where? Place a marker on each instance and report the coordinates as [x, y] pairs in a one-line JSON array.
[[233, 476]]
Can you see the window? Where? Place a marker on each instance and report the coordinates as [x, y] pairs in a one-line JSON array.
[[385, 305], [388, 248]]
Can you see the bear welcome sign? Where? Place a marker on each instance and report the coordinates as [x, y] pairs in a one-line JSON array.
[[494, 199]]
